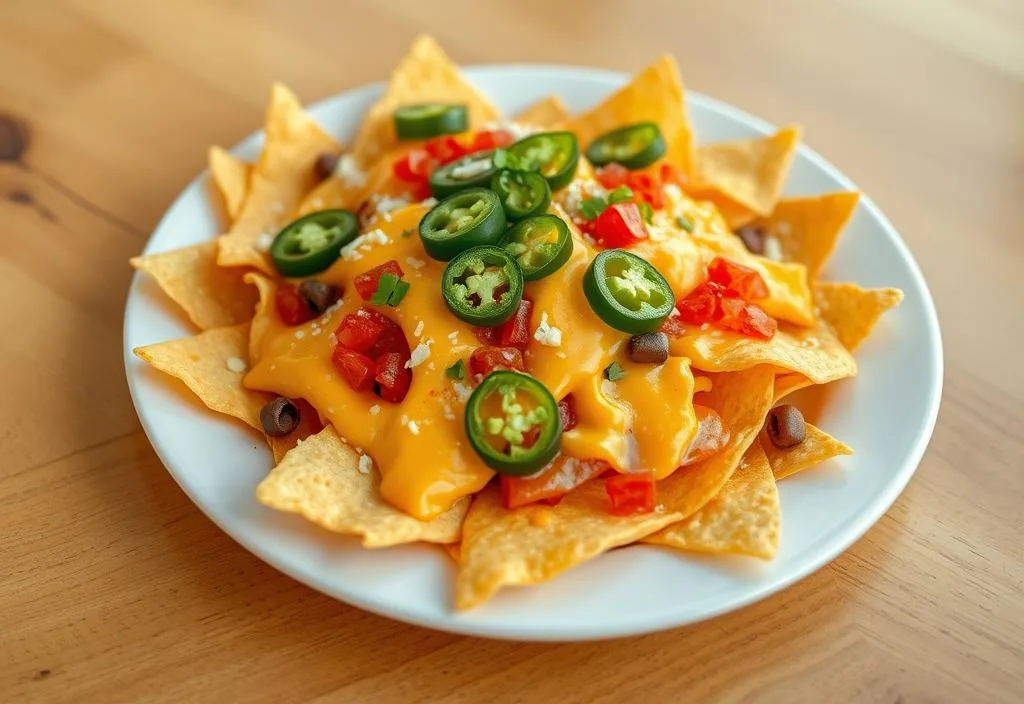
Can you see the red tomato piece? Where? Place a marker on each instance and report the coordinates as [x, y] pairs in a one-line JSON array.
[[445, 149], [290, 306], [750, 320], [620, 225], [392, 377], [550, 484], [488, 336], [741, 279], [612, 176], [493, 139], [673, 327], [355, 367], [631, 493], [701, 304], [670, 174], [414, 167], [366, 283], [567, 413], [359, 330], [515, 332], [485, 360]]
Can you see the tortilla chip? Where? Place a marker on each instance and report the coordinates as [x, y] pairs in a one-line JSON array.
[[654, 95], [260, 321], [785, 384], [201, 362], [231, 177], [808, 228], [320, 480], [734, 214], [817, 447], [454, 551], [742, 519], [425, 74], [853, 311], [281, 177], [749, 172], [814, 352], [546, 112], [533, 544], [333, 193], [743, 400], [212, 296]]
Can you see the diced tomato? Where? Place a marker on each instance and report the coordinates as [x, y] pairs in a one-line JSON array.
[[550, 484], [567, 413], [356, 367], [414, 167], [366, 283], [701, 304], [485, 360], [631, 493], [711, 436], [748, 319], [741, 279], [359, 330], [515, 332], [445, 149], [493, 139], [670, 174], [673, 327], [612, 176], [620, 225], [392, 377], [488, 336], [391, 340], [290, 306]]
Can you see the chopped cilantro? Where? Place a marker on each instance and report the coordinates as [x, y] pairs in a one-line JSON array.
[[457, 370], [614, 372], [620, 194], [390, 290], [592, 207], [407, 232], [647, 212], [684, 222]]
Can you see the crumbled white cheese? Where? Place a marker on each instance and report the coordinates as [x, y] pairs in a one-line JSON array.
[[264, 241], [772, 248], [419, 355], [471, 168], [547, 334], [419, 329], [348, 172], [674, 313], [236, 364], [365, 464], [453, 337], [299, 334], [385, 204], [462, 391], [449, 414], [516, 129], [429, 202], [414, 427], [364, 242], [578, 191], [374, 409], [415, 263]]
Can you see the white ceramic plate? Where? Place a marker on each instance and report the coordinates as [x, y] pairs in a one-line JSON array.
[[887, 414]]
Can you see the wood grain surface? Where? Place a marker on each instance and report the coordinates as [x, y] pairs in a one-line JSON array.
[[114, 587]]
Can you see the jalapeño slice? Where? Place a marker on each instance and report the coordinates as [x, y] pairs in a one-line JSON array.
[[512, 422], [541, 245], [482, 286], [555, 154], [633, 146], [627, 292], [522, 193], [472, 171], [425, 120], [313, 242], [467, 219]]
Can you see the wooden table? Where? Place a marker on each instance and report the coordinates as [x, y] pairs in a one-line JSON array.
[[114, 587]]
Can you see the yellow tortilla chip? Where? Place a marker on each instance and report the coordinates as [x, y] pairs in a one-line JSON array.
[[281, 177], [212, 296], [654, 95], [808, 228], [212, 365], [742, 519], [454, 551], [734, 214], [321, 480], [814, 352], [817, 447], [785, 384], [546, 112], [743, 400], [425, 74], [260, 321], [749, 172], [533, 544], [853, 311], [231, 177]]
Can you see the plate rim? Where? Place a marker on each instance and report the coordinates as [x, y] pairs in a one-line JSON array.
[[451, 622]]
